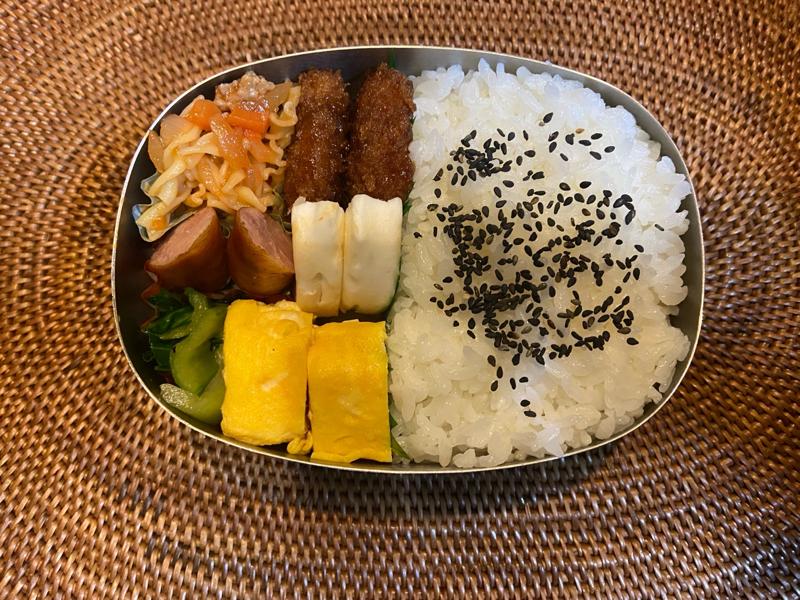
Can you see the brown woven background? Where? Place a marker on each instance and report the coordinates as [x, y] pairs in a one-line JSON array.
[[101, 493]]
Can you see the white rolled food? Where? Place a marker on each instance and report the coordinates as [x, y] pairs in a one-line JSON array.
[[371, 253], [318, 230]]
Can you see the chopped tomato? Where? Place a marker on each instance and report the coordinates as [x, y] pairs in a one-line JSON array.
[[201, 112], [260, 151], [254, 120], [231, 142]]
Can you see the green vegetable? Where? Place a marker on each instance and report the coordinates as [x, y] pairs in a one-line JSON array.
[[172, 318], [396, 447], [165, 301], [185, 339], [206, 407], [192, 362]]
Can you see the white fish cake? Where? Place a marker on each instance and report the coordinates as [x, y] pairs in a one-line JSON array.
[[371, 253], [318, 247]]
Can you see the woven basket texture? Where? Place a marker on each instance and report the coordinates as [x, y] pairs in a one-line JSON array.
[[102, 494]]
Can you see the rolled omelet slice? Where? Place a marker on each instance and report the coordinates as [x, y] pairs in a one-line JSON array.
[[318, 249], [265, 356], [371, 253], [349, 393]]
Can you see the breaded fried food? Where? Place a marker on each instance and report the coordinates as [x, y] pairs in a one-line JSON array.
[[315, 166], [379, 164]]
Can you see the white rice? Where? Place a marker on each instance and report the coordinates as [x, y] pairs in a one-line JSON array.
[[440, 377]]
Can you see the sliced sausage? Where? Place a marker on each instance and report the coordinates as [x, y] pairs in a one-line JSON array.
[[193, 255], [259, 254]]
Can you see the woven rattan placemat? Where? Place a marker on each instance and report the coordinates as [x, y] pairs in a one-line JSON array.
[[102, 493]]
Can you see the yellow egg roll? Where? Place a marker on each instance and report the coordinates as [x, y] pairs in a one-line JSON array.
[[349, 392], [265, 354]]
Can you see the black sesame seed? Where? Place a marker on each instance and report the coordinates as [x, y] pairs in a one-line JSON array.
[[547, 117], [632, 341], [508, 183], [552, 146], [584, 142], [608, 149], [497, 192], [494, 386], [417, 234], [596, 136], [595, 155]]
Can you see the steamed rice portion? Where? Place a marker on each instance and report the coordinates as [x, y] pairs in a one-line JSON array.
[[505, 344]]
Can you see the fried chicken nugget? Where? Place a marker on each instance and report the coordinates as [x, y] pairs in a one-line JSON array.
[[315, 159], [379, 163]]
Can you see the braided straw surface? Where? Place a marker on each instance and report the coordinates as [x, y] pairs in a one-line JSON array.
[[103, 494]]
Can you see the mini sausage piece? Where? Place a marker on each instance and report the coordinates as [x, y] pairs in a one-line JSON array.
[[315, 164], [259, 254], [379, 164], [193, 255]]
